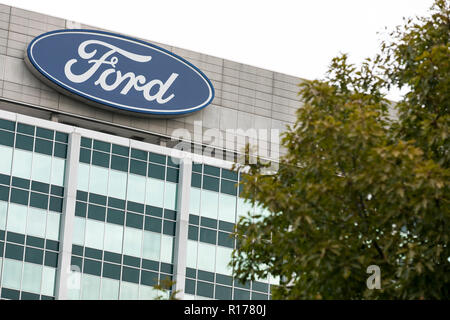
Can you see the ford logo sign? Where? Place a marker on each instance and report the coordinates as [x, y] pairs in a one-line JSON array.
[[114, 71]]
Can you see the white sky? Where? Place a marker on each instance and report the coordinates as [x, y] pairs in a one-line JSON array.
[[296, 37]]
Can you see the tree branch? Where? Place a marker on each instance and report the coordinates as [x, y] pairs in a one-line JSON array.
[[375, 243]]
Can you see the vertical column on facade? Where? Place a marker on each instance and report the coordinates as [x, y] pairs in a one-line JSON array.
[[181, 235], [66, 231]]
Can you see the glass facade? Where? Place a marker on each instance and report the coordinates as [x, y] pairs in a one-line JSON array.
[[32, 169], [214, 208], [125, 220], [124, 223]]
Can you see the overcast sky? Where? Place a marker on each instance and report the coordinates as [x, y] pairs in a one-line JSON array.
[[296, 37]]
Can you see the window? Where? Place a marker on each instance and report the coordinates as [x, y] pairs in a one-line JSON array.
[[17, 218], [209, 202], [5, 160], [42, 165], [136, 188], [155, 192], [194, 201], [3, 212], [52, 231], [170, 197], [78, 231], [151, 245], [22, 164], [113, 237], [227, 208], [191, 254], [83, 177], [117, 184], [129, 291], [241, 294], [32, 275], [206, 256], [12, 272], [58, 170], [36, 222], [223, 293], [205, 289], [110, 289], [223, 257], [74, 285], [48, 281], [90, 287], [132, 242], [94, 234], [98, 180], [166, 249], [148, 293]]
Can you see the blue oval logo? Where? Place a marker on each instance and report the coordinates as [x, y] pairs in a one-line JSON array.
[[112, 70]]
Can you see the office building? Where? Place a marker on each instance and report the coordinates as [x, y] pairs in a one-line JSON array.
[[98, 202]]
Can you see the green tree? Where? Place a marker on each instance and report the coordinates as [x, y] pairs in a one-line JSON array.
[[166, 289], [359, 186]]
